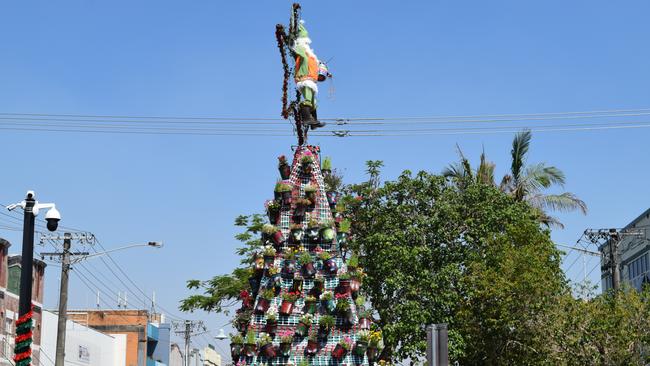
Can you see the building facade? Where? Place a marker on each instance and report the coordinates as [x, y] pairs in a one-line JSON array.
[[10, 268], [147, 339], [83, 345], [633, 254]]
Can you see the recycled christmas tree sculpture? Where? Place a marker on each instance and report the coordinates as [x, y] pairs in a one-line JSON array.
[[305, 301]]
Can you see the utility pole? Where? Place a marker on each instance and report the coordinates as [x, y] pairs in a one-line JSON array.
[[611, 237], [63, 294], [188, 329]]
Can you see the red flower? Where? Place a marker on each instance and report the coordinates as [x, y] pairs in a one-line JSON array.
[[341, 296], [243, 295]]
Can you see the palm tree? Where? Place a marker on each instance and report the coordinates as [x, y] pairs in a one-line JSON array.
[[524, 182]]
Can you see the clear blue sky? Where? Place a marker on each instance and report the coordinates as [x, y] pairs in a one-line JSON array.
[[209, 58]]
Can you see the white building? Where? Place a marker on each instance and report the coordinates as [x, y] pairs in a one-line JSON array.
[[207, 356], [83, 346]]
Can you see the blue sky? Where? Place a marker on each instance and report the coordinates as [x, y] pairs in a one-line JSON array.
[[203, 58]]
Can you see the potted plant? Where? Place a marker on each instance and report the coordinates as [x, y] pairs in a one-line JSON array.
[[353, 263], [264, 301], [311, 304], [327, 234], [307, 265], [283, 167], [327, 301], [236, 346], [374, 344], [289, 264], [302, 329], [242, 319], [254, 283], [273, 211], [250, 344], [332, 198], [344, 284], [266, 346], [288, 301], [319, 285], [356, 280], [275, 281], [362, 343], [286, 339], [325, 324], [283, 191], [297, 283], [313, 230], [297, 234], [301, 207], [312, 346], [329, 263], [342, 348], [271, 321], [343, 233], [269, 255], [306, 162], [365, 318], [326, 166], [344, 310], [274, 233], [310, 192]]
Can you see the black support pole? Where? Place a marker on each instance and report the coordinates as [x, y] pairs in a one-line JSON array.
[[27, 260]]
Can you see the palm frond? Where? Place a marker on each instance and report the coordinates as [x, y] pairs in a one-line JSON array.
[[564, 202], [520, 145], [485, 171]]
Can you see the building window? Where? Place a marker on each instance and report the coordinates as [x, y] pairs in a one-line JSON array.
[[13, 282], [637, 270]]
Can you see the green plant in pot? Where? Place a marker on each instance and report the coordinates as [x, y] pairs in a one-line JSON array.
[[289, 264], [266, 346], [264, 301], [375, 344], [271, 321], [307, 265], [343, 234], [362, 343], [312, 346], [283, 167], [273, 211], [319, 285], [306, 162], [365, 318], [269, 255], [313, 230], [296, 235], [250, 344], [329, 263], [298, 281], [274, 233], [236, 346], [327, 234], [242, 319], [344, 284], [342, 348], [311, 304], [325, 324], [344, 310], [302, 329], [310, 192], [288, 302], [286, 339], [283, 190], [301, 205], [327, 301]]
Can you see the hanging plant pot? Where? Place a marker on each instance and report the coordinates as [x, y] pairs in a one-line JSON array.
[[372, 353], [312, 348], [332, 198], [323, 332], [262, 305], [330, 266], [355, 285], [289, 269], [297, 235], [268, 350], [348, 318], [278, 237], [360, 348], [302, 329], [250, 350], [318, 288], [254, 282], [310, 307], [275, 282], [299, 211], [327, 235], [270, 327], [339, 352], [274, 216], [328, 305], [364, 323], [308, 270], [285, 171], [286, 308], [313, 234], [344, 287], [285, 349], [268, 260], [297, 284], [307, 169], [342, 239], [311, 195], [235, 350]]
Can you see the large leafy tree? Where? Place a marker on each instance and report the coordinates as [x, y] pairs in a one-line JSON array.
[[524, 182], [472, 257]]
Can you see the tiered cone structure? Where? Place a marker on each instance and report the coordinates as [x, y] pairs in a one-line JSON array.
[[304, 305]]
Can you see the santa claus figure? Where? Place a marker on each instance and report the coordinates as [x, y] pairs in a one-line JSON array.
[[307, 72]]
